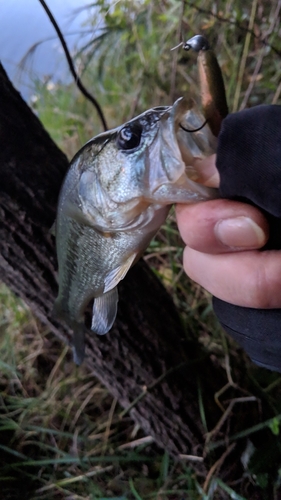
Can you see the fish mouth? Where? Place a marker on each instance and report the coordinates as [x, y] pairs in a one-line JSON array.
[[191, 132], [185, 138]]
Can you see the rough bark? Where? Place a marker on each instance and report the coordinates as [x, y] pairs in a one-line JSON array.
[[147, 348]]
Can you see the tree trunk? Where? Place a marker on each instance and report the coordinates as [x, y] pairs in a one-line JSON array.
[[146, 355]]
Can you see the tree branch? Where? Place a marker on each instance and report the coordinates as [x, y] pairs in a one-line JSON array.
[[77, 80]]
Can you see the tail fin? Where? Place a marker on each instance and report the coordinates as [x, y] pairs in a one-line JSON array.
[[78, 347], [78, 343]]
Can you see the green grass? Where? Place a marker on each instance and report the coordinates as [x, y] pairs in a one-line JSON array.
[[61, 434]]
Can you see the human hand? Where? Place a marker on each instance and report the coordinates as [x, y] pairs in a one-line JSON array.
[[224, 237], [222, 254]]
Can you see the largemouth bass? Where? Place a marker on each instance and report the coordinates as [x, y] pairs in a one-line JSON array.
[[116, 195]]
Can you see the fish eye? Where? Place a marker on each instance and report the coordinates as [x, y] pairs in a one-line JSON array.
[[129, 137]]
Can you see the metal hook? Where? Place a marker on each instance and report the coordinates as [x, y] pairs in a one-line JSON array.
[[195, 129]]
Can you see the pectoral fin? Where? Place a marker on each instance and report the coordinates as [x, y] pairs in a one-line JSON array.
[[104, 312], [118, 273]]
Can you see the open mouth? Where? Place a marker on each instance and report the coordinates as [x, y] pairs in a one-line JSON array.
[[193, 135], [184, 139]]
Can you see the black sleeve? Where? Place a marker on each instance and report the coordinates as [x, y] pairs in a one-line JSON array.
[[249, 163]]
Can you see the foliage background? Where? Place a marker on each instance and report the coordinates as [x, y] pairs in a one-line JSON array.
[[61, 435]]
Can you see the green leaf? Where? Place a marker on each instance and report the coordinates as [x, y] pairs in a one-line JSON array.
[[274, 426]]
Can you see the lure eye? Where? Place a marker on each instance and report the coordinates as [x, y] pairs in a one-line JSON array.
[[129, 137]]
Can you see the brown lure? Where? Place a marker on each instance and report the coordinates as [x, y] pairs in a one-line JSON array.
[[212, 88]]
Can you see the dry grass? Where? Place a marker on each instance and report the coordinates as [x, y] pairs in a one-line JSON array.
[[61, 435]]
